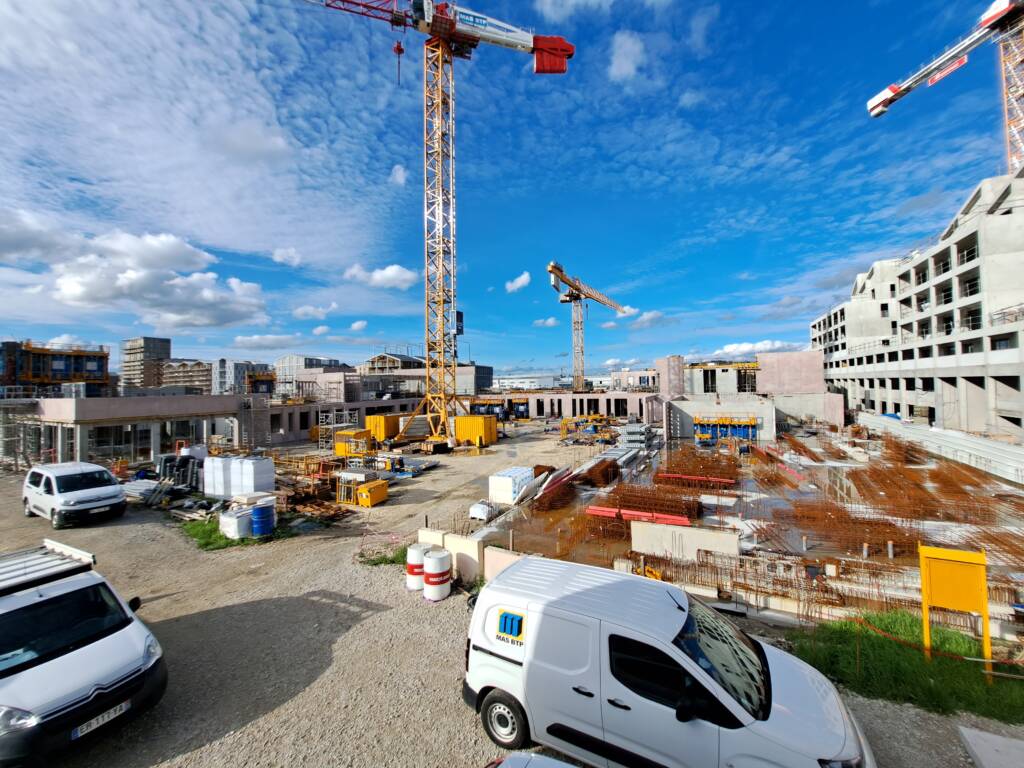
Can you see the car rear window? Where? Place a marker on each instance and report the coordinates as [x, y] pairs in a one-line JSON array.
[[36, 633]]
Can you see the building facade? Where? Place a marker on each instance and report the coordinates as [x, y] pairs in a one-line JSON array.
[[935, 336], [196, 375], [234, 377], [30, 365], [287, 366], [142, 360]]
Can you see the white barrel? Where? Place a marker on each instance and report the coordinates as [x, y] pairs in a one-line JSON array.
[[437, 574], [414, 565]]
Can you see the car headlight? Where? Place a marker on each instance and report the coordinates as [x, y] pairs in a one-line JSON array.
[[152, 653], [14, 719], [71, 503]]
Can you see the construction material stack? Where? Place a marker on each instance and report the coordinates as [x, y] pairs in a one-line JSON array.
[[637, 436], [505, 487]]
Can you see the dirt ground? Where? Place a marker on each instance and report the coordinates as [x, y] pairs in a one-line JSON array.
[[291, 653]]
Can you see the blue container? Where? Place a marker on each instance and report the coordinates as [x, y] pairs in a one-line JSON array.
[[263, 521]]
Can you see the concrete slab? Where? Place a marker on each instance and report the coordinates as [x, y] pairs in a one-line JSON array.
[[990, 751]]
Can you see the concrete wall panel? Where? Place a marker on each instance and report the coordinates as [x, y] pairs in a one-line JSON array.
[[791, 373], [681, 543]]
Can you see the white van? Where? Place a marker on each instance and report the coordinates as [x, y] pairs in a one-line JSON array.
[[71, 492], [73, 655], [618, 670]]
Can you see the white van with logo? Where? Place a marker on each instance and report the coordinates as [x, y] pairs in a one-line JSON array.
[[72, 492], [74, 658], [618, 670]]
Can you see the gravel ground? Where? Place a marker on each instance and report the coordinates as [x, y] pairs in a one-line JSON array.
[[292, 653]]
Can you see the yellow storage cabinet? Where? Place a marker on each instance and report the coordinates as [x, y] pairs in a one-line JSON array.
[[372, 494], [383, 426], [352, 442]]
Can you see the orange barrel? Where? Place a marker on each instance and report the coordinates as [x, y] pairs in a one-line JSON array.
[[414, 565], [437, 574]]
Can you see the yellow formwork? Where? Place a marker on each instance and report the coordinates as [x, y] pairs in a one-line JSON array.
[[476, 430]]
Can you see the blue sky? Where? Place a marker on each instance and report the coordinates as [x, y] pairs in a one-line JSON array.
[[245, 175]]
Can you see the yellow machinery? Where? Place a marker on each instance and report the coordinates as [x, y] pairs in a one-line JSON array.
[[576, 292], [384, 426], [574, 424], [350, 443], [480, 431]]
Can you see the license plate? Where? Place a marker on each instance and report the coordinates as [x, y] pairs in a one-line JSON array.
[[99, 720], [99, 509]]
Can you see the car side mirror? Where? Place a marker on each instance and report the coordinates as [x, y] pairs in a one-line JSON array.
[[135, 603], [686, 710]]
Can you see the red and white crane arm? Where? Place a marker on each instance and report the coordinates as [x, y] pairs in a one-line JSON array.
[[994, 21], [463, 28]]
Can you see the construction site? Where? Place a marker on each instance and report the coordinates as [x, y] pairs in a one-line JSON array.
[[785, 485]]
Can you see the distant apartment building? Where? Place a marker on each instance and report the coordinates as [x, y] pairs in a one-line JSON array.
[[237, 377], [34, 365], [393, 372], [532, 381], [935, 336], [287, 366], [142, 360], [634, 380], [194, 374]]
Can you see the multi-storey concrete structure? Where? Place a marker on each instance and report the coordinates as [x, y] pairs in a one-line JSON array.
[[28, 365], [935, 336], [142, 360], [287, 366], [229, 376], [193, 374]]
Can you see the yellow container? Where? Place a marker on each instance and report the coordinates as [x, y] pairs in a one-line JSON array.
[[383, 426], [476, 430], [352, 442], [372, 494]]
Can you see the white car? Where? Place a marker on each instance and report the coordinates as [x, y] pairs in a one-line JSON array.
[[71, 492], [618, 670], [73, 655]]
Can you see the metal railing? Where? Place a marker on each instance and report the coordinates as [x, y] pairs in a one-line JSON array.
[[1008, 315], [967, 255], [970, 288], [971, 323], [943, 268]]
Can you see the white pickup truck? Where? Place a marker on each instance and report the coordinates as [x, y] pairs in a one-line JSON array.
[[73, 655]]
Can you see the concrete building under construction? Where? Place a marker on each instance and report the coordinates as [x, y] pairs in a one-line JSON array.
[[935, 336]]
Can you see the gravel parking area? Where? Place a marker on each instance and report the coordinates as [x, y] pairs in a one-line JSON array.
[[291, 653]]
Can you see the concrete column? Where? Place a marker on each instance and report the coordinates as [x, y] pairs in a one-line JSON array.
[[62, 449], [81, 447], [155, 430], [205, 431]]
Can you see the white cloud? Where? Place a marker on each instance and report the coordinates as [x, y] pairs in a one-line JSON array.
[[358, 326], [612, 362], [320, 330], [68, 339], [309, 312], [649, 320], [747, 348], [700, 25], [628, 54], [512, 286], [546, 322], [746, 275], [610, 324], [632, 361], [392, 276], [560, 10], [691, 98], [398, 176], [162, 279], [287, 256], [627, 311], [270, 341]]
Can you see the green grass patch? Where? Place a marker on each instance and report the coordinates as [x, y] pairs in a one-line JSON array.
[[879, 667], [207, 535], [395, 557]]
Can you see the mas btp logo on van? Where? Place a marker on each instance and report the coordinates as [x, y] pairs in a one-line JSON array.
[[511, 627]]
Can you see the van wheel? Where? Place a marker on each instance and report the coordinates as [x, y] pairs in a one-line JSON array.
[[56, 520], [28, 509], [505, 721]]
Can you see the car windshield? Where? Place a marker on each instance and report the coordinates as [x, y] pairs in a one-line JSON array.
[[726, 654], [99, 478], [54, 626]]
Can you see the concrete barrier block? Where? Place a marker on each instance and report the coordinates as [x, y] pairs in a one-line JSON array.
[[430, 536], [467, 556]]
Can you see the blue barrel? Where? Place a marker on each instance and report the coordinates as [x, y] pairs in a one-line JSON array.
[[263, 520]]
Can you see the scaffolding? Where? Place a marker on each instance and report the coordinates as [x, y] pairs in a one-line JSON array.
[[254, 422], [21, 435], [328, 421]]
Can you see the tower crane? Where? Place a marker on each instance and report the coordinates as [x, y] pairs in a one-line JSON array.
[[453, 32], [1002, 22], [576, 292]]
